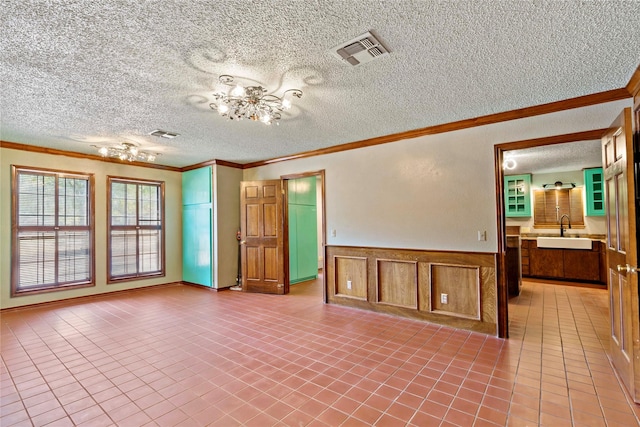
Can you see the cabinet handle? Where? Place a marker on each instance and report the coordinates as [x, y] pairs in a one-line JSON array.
[[627, 268]]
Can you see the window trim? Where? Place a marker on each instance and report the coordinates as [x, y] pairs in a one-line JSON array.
[[137, 276], [576, 222], [15, 261]]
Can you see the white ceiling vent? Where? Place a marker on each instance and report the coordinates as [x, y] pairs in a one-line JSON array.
[[362, 49], [163, 134]]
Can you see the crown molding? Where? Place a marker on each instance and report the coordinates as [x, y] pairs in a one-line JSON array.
[[588, 135], [633, 87], [211, 163], [56, 152], [552, 107]]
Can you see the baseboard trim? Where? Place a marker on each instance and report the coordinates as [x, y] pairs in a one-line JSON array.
[[85, 297]]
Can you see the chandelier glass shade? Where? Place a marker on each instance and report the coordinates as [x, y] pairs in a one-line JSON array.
[[251, 102], [126, 151]]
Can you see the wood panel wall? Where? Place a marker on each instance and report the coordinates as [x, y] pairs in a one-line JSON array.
[[410, 283]]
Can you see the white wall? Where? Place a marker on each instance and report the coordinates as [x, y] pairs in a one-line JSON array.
[[173, 218], [431, 192]]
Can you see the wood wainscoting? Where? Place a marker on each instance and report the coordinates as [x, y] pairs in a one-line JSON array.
[[410, 283]]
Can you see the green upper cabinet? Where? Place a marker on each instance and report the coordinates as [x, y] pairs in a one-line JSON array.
[[302, 191], [594, 188], [196, 186], [517, 195]]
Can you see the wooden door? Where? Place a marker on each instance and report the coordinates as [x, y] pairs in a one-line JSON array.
[[262, 228], [622, 279]]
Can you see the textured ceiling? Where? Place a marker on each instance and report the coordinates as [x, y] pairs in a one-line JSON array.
[[77, 73], [570, 156]]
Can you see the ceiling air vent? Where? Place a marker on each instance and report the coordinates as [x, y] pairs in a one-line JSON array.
[[163, 134], [362, 49]]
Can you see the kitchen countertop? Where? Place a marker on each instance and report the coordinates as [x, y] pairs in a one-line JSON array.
[[529, 236]]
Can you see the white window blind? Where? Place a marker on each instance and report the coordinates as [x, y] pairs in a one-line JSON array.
[[136, 229], [52, 240]]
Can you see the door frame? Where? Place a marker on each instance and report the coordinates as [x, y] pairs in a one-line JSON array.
[[499, 149], [323, 230]]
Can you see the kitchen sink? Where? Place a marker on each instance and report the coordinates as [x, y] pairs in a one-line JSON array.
[[564, 242]]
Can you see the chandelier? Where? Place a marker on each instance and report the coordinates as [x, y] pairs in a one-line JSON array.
[[126, 151], [251, 102]]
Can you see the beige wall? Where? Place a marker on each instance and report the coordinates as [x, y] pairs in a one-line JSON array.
[[433, 192], [226, 208], [173, 218]]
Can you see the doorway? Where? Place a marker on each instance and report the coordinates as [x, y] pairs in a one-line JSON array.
[[305, 228], [501, 151]]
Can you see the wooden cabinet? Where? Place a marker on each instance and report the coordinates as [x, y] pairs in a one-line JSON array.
[[594, 187], [603, 262], [513, 265], [581, 265], [524, 256], [546, 262], [517, 195], [565, 264]]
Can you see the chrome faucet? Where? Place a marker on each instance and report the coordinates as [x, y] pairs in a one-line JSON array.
[[568, 222]]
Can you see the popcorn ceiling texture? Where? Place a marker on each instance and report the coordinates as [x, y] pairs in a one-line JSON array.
[[77, 73]]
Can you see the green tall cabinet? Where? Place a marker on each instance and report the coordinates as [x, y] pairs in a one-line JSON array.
[[197, 227], [303, 229]]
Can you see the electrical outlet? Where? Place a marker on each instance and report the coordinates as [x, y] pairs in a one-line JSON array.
[[444, 298], [333, 233], [348, 284], [482, 236]]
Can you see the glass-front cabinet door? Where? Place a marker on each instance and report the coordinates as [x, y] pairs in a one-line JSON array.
[[517, 195], [594, 188]]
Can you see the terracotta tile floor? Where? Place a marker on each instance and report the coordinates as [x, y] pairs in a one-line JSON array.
[[183, 356]]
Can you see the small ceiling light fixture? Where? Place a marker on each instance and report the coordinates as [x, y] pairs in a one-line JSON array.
[[509, 164], [251, 102], [127, 151], [558, 185]]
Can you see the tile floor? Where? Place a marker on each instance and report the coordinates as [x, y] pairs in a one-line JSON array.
[[184, 356]]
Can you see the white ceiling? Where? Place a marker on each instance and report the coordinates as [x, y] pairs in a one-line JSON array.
[[570, 156], [84, 72]]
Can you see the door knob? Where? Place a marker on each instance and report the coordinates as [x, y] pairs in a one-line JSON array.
[[244, 241], [627, 268]]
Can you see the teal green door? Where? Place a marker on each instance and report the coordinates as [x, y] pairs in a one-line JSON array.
[[196, 247], [303, 229]]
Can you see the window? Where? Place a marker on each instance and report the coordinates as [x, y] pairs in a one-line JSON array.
[[551, 205], [136, 229], [52, 233]]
